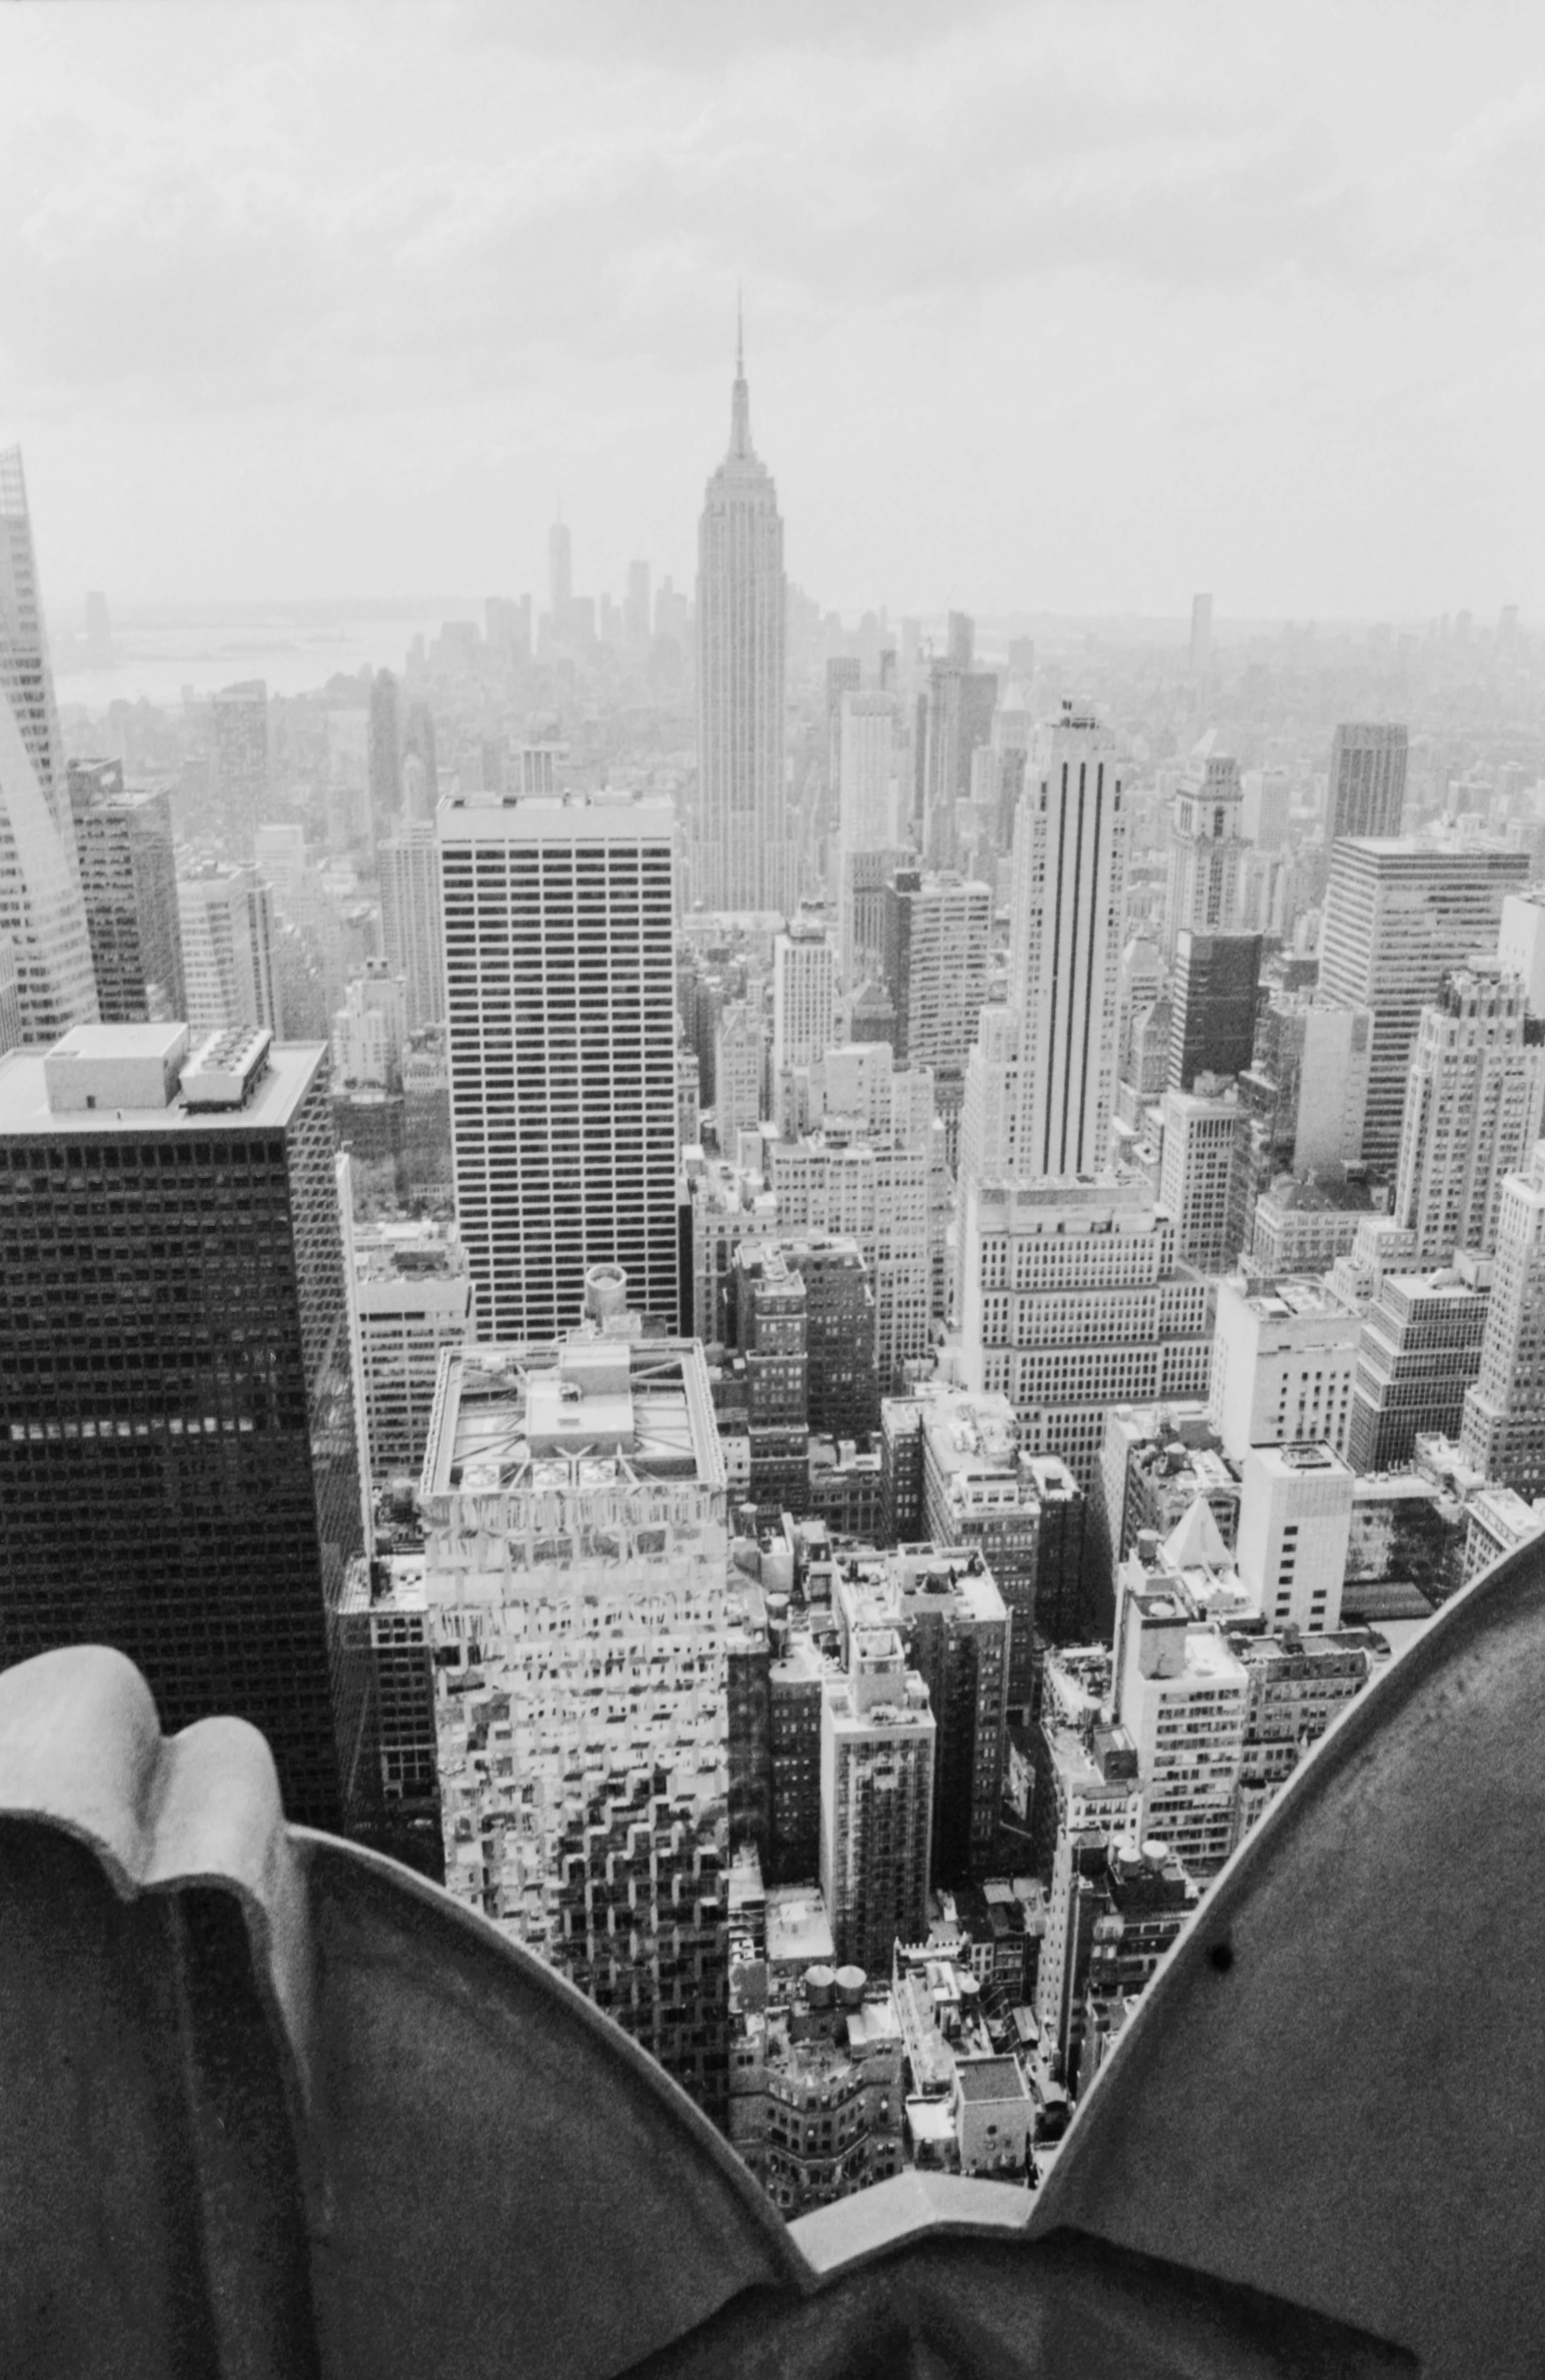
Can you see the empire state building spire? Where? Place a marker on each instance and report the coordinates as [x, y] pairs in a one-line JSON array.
[[744, 855], [740, 448]]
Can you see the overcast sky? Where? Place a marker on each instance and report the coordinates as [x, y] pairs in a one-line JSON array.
[[1067, 308]]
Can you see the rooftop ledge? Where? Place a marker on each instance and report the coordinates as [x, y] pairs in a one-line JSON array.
[[276, 2106]]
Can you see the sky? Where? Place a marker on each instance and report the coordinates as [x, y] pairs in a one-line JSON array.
[[1071, 308]]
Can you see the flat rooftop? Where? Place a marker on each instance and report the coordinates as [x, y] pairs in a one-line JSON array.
[[25, 1114], [582, 1412], [1302, 1296]]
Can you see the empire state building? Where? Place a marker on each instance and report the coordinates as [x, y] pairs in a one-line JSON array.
[[743, 856]]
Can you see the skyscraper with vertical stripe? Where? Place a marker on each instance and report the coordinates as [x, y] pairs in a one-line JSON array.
[[743, 857]]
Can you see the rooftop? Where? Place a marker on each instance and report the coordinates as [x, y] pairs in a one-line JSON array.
[[26, 1113], [586, 1412], [986, 2079]]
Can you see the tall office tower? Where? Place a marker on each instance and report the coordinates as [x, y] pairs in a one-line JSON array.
[[957, 722], [10, 996], [865, 732], [1399, 914], [1201, 635], [976, 1489], [877, 1738], [1285, 1354], [770, 1300], [226, 919], [636, 608], [559, 930], [1307, 1085], [41, 909], [1213, 1014], [559, 576], [1202, 1176], [1265, 799], [385, 751], [877, 1194], [1181, 1696], [1418, 1351], [1074, 1301], [412, 920], [1040, 1088], [938, 938], [944, 1605], [727, 1207], [241, 763], [739, 1052], [803, 997], [744, 857], [843, 1398], [1474, 1109], [128, 870], [1207, 847], [370, 1032], [178, 1468], [576, 1564], [1503, 1434], [420, 770], [1295, 1523], [1366, 791], [26, 680], [410, 1299]]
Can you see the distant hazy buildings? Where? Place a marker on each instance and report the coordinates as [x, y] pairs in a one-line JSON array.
[[560, 934], [240, 762], [745, 858], [128, 870], [1366, 793]]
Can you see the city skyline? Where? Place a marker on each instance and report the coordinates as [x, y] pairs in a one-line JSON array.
[[208, 301]]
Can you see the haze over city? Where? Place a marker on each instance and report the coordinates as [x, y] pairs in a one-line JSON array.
[[1049, 308]]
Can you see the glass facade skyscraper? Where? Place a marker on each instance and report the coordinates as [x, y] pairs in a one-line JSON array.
[[178, 1460]]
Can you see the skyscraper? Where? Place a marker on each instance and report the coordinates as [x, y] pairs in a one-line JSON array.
[[1366, 795], [178, 1466], [1212, 1020], [241, 772], [411, 928], [1474, 1108], [744, 857], [636, 608], [803, 997], [1504, 1413], [939, 938], [577, 1570], [385, 761], [128, 871], [1398, 915], [957, 722], [226, 919], [559, 927], [1064, 962], [560, 574], [42, 912], [1201, 635], [1205, 850]]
